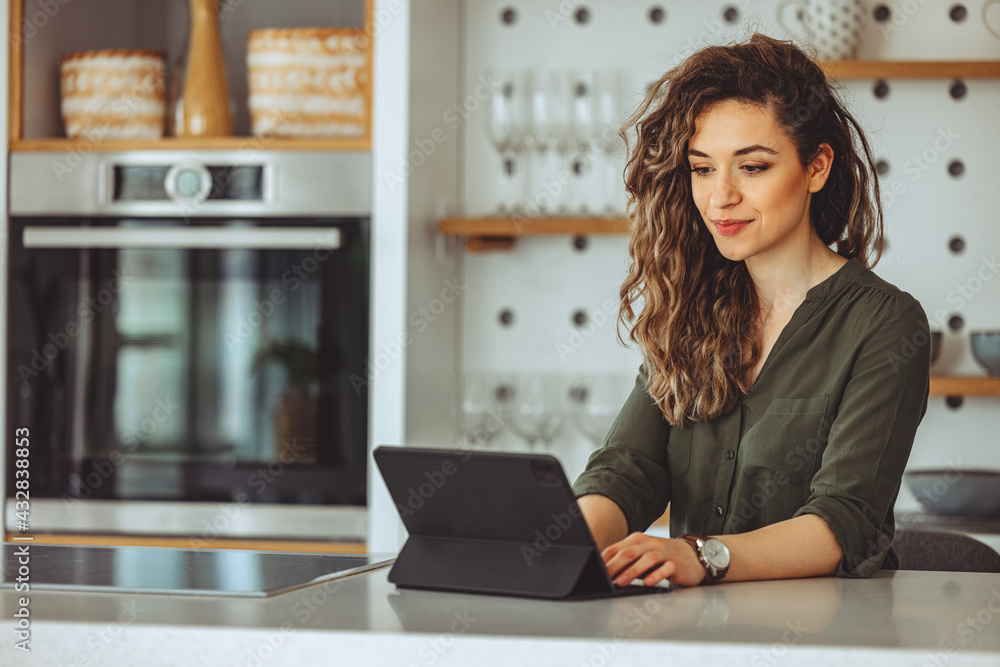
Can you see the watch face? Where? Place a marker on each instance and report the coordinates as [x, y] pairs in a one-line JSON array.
[[716, 553]]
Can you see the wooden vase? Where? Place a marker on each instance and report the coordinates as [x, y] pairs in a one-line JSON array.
[[205, 100]]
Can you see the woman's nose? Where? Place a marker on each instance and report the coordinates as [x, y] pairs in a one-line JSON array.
[[723, 193]]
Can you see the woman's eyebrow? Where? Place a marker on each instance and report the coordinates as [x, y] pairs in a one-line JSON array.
[[743, 151]]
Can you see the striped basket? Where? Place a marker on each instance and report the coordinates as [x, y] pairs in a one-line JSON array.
[[113, 94], [308, 82]]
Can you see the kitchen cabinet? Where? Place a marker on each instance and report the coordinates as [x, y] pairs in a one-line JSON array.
[[50, 29], [41, 31]]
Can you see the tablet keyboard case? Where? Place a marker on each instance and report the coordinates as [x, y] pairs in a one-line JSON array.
[[490, 522]]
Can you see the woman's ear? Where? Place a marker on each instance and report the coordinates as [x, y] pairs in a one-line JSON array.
[[819, 169]]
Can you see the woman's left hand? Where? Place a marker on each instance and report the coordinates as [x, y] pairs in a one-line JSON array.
[[640, 553]]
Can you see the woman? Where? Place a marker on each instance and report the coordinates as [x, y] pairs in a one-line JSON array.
[[776, 405]]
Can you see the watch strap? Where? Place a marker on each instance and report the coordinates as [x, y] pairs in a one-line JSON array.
[[712, 574]]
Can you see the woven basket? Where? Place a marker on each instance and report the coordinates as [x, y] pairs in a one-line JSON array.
[[113, 94], [308, 82]]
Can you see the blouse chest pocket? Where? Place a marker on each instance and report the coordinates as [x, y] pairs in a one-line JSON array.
[[783, 445]]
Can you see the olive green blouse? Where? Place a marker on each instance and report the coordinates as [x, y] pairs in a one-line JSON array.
[[825, 430]]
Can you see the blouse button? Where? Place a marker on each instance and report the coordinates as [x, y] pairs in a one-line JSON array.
[[730, 454], [719, 511]]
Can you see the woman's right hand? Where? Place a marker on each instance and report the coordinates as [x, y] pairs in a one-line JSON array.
[[657, 558]]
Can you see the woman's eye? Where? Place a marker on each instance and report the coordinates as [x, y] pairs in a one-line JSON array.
[[701, 172], [754, 169]]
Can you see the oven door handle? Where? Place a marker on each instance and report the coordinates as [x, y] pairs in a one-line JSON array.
[[214, 238]]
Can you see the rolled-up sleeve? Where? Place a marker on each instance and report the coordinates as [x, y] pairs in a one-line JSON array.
[[631, 468], [871, 436]]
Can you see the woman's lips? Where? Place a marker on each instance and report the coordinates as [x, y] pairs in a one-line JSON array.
[[730, 227]]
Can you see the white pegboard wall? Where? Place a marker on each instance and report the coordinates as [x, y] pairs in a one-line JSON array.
[[918, 130], [927, 207], [619, 35]]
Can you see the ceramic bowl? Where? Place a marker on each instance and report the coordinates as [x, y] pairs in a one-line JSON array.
[[113, 94], [957, 492], [986, 350], [308, 82]]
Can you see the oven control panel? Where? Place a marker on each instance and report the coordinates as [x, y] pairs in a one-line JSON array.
[[187, 182], [195, 183]]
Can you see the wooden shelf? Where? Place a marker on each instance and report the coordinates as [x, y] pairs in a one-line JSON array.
[[498, 233], [911, 69], [64, 145], [516, 226], [965, 386]]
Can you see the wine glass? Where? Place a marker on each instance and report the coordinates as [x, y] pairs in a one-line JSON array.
[[596, 401], [548, 134], [505, 124], [537, 409], [608, 144], [480, 419], [586, 133]]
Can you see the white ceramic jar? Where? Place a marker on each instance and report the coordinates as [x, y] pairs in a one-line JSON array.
[[832, 28]]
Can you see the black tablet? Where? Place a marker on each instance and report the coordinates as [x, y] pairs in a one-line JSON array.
[[492, 522]]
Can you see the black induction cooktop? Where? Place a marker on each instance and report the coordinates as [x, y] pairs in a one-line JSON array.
[[228, 572]]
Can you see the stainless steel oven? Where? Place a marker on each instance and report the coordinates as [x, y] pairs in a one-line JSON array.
[[187, 334]]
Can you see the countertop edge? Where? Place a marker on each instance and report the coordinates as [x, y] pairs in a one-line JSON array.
[[60, 642]]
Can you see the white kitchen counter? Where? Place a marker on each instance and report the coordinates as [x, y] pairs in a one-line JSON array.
[[906, 618]]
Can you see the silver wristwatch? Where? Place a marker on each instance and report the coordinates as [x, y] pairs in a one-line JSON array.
[[713, 554]]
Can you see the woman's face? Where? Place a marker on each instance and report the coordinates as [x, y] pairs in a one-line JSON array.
[[749, 185]]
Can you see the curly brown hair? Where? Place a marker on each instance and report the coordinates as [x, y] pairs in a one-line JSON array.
[[694, 313]]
